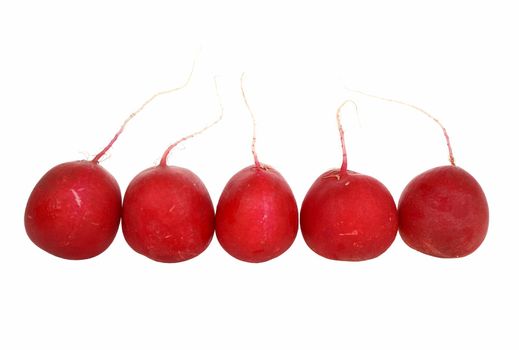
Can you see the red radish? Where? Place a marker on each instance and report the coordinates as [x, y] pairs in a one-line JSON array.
[[256, 216], [442, 212], [168, 215], [74, 211], [346, 215]]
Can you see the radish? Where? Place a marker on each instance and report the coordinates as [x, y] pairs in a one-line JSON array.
[[168, 215], [442, 212], [74, 210], [346, 215], [256, 215]]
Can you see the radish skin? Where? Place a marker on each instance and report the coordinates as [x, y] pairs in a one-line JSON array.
[[74, 210], [346, 215], [256, 215], [168, 215], [443, 212]]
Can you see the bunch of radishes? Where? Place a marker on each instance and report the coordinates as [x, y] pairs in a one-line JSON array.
[[167, 214]]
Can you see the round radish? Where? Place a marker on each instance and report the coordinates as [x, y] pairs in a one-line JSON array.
[[168, 215], [74, 211], [348, 216], [256, 216], [442, 212]]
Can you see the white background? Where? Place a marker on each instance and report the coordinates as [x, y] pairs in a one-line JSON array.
[[71, 73]]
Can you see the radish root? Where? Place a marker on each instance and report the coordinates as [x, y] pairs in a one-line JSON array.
[[253, 147], [164, 159], [132, 115], [344, 166], [445, 134]]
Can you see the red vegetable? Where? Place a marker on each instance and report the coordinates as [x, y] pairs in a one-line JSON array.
[[348, 216], [443, 212], [168, 215], [74, 210], [256, 216]]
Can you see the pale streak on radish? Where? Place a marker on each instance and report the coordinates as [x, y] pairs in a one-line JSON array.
[[337, 176], [352, 233], [76, 198]]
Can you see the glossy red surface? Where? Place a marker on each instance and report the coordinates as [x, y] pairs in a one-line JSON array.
[[74, 210], [256, 216], [348, 216], [168, 214], [443, 212]]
